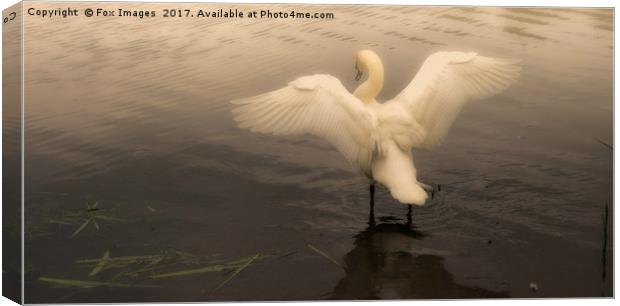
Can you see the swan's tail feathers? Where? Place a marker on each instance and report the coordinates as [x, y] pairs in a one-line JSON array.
[[412, 195], [395, 170]]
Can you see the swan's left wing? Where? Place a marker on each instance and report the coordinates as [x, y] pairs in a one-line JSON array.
[[446, 81], [317, 105]]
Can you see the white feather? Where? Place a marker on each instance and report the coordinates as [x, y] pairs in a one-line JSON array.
[[446, 81], [317, 105], [377, 138]]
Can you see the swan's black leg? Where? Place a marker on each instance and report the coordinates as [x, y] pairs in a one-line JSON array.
[[371, 217], [409, 215]]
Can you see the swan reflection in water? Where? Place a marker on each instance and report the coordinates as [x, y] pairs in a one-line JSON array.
[[382, 266]]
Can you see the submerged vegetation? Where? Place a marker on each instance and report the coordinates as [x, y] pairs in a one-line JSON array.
[[78, 219], [88, 284], [150, 267], [124, 271]]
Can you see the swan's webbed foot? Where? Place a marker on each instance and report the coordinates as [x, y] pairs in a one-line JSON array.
[[430, 189], [426, 187]]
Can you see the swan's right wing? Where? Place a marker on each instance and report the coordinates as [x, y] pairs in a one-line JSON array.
[[445, 82], [317, 105]]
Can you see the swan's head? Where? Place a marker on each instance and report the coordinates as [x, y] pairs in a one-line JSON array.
[[366, 60]]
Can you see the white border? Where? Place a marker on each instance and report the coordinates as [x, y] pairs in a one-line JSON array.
[[571, 3], [546, 3]]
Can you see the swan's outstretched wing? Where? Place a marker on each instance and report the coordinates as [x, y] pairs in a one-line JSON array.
[[445, 82], [317, 105]]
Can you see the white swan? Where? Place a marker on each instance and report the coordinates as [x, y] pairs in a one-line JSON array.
[[377, 138]]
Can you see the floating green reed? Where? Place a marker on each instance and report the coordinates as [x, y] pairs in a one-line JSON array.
[[85, 217], [245, 265], [607, 145], [79, 229], [237, 264], [104, 260], [89, 284], [207, 269], [138, 265], [324, 254]]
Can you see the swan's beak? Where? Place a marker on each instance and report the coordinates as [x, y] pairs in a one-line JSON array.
[[358, 76]]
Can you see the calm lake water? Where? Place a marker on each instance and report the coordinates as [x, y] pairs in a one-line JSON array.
[[131, 151]]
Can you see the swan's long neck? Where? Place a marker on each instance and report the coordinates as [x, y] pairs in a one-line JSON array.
[[370, 89]]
